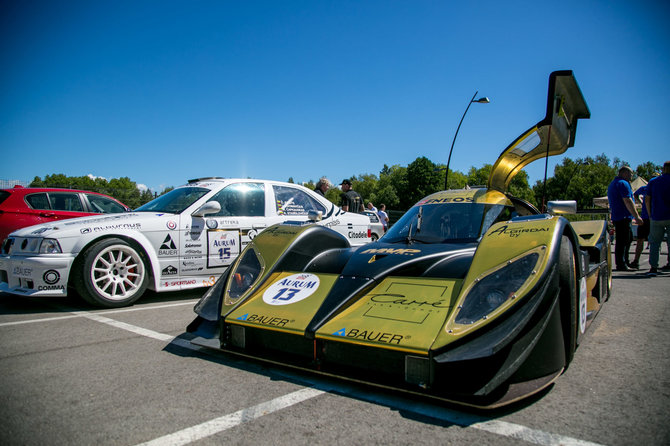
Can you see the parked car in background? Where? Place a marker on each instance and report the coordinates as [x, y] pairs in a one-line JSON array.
[[376, 226], [183, 239], [27, 206]]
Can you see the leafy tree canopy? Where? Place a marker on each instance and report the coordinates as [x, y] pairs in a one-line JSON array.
[[399, 187]]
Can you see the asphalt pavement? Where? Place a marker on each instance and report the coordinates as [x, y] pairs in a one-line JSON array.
[[72, 374]]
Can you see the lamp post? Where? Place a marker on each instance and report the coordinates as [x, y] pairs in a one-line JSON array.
[[483, 100]]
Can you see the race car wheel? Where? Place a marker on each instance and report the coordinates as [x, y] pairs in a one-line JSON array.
[[113, 274], [567, 270]]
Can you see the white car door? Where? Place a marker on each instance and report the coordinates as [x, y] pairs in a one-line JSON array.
[[241, 217]]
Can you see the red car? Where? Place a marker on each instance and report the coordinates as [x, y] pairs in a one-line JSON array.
[[27, 206]]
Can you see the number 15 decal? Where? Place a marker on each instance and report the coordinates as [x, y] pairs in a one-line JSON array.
[[223, 247]]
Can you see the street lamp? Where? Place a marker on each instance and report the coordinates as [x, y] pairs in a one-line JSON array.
[[483, 100]]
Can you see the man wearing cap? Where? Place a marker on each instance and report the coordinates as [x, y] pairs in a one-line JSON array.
[[657, 202], [350, 201], [622, 208]]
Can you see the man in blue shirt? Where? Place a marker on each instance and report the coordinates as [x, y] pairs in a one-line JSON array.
[[642, 231], [657, 202], [622, 208]]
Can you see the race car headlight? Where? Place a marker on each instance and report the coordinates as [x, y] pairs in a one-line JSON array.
[[245, 273], [496, 288], [50, 246]]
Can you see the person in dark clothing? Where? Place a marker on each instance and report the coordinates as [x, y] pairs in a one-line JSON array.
[[322, 186], [657, 202], [622, 208], [350, 200]]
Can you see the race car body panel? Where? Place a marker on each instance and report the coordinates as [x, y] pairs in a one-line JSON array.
[[472, 296], [553, 135]]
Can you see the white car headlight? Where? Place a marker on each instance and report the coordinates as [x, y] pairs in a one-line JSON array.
[[50, 246]]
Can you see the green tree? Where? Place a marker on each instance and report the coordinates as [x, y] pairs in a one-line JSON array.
[[423, 178], [582, 180], [647, 170], [366, 185]]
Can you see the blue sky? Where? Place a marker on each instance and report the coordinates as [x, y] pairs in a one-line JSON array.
[[164, 91]]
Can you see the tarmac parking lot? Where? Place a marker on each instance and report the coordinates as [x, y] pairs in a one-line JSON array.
[[72, 374]]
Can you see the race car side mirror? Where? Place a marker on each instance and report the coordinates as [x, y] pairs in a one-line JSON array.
[[211, 207], [314, 215], [559, 207]]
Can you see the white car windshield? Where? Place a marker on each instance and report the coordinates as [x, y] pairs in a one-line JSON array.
[[175, 201], [447, 223]]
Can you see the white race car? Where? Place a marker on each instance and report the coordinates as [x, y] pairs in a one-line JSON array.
[[183, 239]]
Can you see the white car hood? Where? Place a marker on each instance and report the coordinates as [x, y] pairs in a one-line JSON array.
[[75, 227]]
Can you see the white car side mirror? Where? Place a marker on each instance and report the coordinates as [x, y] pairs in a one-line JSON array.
[[211, 207], [314, 215]]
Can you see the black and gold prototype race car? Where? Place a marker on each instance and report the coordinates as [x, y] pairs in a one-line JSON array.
[[473, 296]]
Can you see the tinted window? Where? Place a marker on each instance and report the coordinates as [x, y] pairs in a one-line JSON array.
[[65, 201], [3, 195], [104, 205], [38, 201], [292, 201], [174, 201], [444, 223], [241, 200]]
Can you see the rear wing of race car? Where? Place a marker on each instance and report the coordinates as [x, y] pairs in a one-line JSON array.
[[551, 136]]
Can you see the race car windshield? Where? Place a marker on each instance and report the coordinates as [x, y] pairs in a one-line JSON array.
[[175, 201], [447, 223]]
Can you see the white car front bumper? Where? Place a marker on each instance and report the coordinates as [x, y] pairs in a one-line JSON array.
[[44, 275]]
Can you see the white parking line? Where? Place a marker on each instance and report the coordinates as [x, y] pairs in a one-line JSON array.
[[226, 422], [76, 314], [220, 424]]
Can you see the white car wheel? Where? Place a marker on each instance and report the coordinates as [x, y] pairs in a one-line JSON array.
[[113, 274]]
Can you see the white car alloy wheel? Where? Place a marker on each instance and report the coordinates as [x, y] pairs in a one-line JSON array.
[[114, 274], [117, 272]]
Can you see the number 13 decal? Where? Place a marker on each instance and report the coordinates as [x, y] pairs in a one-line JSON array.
[[286, 294]]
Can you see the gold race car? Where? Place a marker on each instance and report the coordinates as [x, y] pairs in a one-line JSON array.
[[473, 296]]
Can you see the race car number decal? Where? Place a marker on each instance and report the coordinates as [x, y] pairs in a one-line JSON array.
[[291, 289], [223, 247]]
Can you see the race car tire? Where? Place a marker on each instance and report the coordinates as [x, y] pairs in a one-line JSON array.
[[112, 274], [568, 297]]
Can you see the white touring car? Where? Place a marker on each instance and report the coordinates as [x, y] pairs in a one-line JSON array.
[[183, 239]]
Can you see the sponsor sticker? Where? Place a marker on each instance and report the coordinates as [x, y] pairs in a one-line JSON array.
[[291, 289], [223, 247], [169, 271], [370, 335], [516, 231], [23, 271], [168, 248], [51, 277]]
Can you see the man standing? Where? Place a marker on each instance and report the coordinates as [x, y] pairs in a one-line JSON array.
[[350, 201], [383, 216], [622, 208], [322, 186], [642, 231], [657, 202]]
